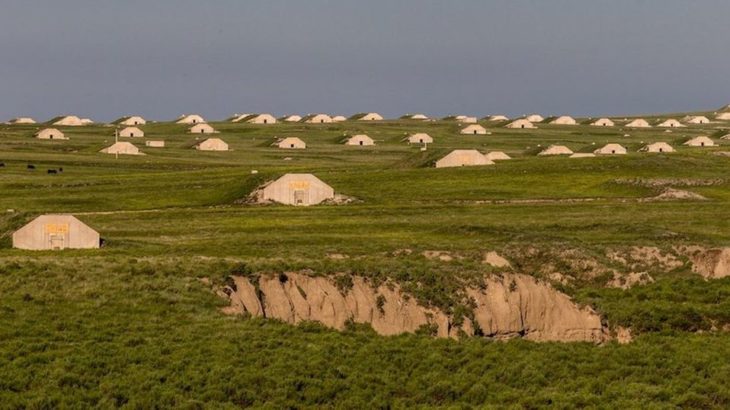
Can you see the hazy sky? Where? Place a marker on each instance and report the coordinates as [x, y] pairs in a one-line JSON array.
[[107, 58]]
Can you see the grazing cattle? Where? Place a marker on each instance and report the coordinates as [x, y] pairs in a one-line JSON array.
[[2, 164], [60, 169], [52, 171], [31, 166]]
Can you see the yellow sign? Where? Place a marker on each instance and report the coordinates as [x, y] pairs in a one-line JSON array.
[[55, 228], [299, 185]]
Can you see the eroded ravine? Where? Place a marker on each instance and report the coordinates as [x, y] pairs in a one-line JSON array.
[[509, 306]]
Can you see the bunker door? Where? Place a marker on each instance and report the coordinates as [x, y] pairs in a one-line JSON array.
[[301, 197], [57, 241]]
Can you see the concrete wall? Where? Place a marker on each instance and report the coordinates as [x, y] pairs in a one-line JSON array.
[[700, 142], [124, 148], [611, 149], [603, 122], [698, 120], [262, 119], [22, 120], [556, 150], [671, 123], [50, 134], [202, 128], [467, 120], [133, 120], [371, 116], [497, 156], [131, 132], [55, 232], [463, 158], [292, 143], [319, 119], [69, 120], [360, 140], [212, 144], [420, 138], [658, 147], [520, 124], [190, 119], [298, 189], [474, 129], [240, 117], [563, 120], [638, 123]]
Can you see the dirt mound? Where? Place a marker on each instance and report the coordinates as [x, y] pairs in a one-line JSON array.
[[670, 194], [337, 256], [561, 265], [341, 199], [623, 335], [402, 252], [507, 307], [443, 256], [639, 258], [710, 263], [573, 261], [494, 259], [256, 196], [629, 280], [621, 267], [669, 182], [614, 267]]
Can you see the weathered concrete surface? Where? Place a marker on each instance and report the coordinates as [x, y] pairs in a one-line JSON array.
[[55, 232], [463, 158], [297, 189]]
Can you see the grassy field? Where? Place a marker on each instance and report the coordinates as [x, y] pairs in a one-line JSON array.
[[131, 323]]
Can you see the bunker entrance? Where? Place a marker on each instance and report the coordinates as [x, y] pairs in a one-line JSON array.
[[56, 241], [301, 197]]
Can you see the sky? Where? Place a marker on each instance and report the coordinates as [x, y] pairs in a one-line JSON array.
[[107, 58]]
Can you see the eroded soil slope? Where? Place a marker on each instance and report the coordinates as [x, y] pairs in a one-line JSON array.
[[513, 305]]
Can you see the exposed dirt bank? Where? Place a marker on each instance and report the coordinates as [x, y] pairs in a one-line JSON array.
[[622, 267], [511, 306], [710, 263]]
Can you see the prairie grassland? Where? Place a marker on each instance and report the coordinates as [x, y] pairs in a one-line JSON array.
[[131, 324]]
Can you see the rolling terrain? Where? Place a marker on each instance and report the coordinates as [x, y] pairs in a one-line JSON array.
[[636, 240]]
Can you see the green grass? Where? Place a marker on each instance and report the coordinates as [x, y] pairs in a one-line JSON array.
[[109, 332], [131, 324]]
